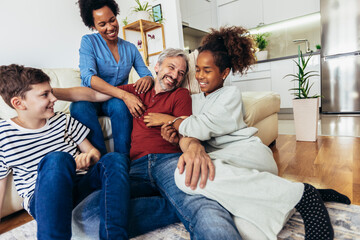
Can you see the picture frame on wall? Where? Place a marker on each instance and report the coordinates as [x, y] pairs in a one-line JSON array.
[[157, 13]]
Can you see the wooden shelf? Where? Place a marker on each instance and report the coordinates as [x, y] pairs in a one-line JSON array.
[[144, 26]]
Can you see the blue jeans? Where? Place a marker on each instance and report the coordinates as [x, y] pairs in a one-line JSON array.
[[121, 122], [202, 217], [58, 188], [145, 214]]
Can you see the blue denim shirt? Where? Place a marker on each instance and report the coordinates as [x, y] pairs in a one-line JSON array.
[[97, 59]]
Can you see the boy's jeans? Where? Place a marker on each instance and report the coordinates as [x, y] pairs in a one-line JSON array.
[[57, 188], [121, 122], [202, 217]]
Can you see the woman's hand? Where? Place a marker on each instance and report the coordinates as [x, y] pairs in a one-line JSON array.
[[134, 104], [143, 84], [85, 160], [157, 119], [169, 133]]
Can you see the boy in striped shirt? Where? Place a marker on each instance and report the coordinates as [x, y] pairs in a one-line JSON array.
[[53, 164]]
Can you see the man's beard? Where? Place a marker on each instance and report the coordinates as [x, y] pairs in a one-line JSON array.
[[163, 87]]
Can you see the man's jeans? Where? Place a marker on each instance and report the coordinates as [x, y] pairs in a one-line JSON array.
[[121, 122], [58, 188], [202, 217]]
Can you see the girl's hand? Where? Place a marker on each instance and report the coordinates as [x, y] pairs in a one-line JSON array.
[[198, 165], [85, 160], [134, 104], [143, 84], [157, 119], [169, 133]]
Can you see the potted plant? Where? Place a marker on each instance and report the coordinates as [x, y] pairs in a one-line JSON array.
[[305, 105], [261, 43], [142, 11]]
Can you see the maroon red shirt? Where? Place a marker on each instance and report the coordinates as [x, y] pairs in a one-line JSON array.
[[146, 140]]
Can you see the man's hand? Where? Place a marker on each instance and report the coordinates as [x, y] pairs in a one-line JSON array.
[[196, 162], [143, 84], [169, 133], [157, 119], [134, 104], [85, 160]]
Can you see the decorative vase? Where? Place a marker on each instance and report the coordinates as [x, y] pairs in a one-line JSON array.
[[142, 15], [261, 55], [306, 116]]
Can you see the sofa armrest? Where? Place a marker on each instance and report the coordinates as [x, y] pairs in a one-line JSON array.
[[259, 105]]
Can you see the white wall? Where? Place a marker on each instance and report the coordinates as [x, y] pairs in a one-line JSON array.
[[47, 33], [40, 33]]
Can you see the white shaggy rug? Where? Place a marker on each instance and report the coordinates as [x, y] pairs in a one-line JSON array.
[[345, 220]]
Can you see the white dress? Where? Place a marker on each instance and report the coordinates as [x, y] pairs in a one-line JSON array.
[[246, 181]]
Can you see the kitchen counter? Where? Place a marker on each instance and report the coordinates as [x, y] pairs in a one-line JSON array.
[[287, 57]]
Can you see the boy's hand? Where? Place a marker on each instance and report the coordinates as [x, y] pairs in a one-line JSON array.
[[85, 160], [143, 84], [169, 133]]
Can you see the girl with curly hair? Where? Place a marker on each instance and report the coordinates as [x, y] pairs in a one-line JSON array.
[[105, 62], [246, 181]]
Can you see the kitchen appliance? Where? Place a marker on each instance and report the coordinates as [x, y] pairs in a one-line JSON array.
[[340, 56]]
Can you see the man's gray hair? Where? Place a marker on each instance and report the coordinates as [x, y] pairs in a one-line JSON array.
[[174, 52]]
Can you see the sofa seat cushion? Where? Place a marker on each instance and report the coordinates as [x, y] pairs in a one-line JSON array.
[[259, 105]]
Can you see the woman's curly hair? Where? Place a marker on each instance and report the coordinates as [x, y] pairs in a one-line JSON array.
[[88, 6], [232, 47]]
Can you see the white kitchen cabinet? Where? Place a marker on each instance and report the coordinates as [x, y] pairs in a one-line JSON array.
[[269, 76], [258, 78], [281, 85], [241, 13], [279, 10], [250, 14], [199, 14]]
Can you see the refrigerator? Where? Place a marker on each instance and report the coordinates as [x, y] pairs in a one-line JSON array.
[[340, 56]]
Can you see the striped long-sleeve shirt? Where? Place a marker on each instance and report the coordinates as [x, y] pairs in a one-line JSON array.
[[22, 149]]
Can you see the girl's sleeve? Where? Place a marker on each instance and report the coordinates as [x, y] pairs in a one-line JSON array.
[[224, 116]]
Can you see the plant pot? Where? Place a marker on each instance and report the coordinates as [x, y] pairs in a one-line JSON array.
[[261, 55], [306, 115], [142, 15]]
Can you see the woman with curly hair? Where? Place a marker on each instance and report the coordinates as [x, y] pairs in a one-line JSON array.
[[105, 62], [246, 181]]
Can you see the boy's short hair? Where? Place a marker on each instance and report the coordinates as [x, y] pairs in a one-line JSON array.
[[16, 80]]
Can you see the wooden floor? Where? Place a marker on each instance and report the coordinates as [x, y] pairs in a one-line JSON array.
[[331, 162]]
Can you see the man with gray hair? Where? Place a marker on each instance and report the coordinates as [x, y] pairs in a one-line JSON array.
[[154, 160]]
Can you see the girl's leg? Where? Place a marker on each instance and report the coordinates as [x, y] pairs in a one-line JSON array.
[[52, 202], [87, 113], [315, 215]]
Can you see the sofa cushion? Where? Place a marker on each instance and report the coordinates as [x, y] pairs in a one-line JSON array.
[[63, 78], [259, 105]]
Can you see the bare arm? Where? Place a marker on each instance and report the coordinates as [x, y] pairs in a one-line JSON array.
[[2, 192], [76, 94], [196, 162], [89, 155], [159, 119], [134, 104]]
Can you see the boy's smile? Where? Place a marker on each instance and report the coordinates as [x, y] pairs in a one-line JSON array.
[[38, 105]]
